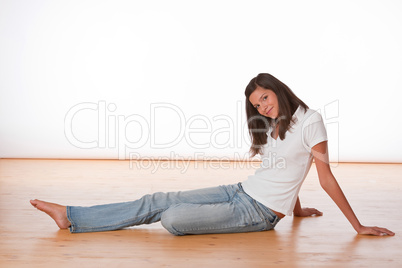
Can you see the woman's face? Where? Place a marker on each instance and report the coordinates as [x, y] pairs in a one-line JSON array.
[[265, 101]]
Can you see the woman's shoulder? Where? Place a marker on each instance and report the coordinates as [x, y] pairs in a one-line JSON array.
[[311, 115]]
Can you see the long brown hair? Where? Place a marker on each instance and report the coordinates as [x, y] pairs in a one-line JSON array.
[[258, 125]]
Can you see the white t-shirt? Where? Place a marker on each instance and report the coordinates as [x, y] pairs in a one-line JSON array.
[[285, 163]]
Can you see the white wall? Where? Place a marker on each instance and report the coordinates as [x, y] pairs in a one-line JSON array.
[[90, 79]]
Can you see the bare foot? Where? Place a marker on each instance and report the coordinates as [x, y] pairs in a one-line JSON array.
[[57, 212]]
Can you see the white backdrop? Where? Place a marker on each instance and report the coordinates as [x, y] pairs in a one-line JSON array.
[[138, 79]]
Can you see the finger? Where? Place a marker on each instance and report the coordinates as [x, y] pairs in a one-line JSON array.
[[370, 231], [314, 211], [385, 231], [319, 213], [34, 202], [379, 231], [376, 232]]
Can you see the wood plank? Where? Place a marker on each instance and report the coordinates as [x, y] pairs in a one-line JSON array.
[[30, 238]]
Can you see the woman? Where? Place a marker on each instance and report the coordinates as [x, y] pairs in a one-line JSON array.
[[286, 133]]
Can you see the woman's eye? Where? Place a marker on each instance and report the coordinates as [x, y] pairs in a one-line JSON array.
[[257, 106], [265, 98]]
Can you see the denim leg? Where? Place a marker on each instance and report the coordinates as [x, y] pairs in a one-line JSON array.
[[240, 214], [146, 210]]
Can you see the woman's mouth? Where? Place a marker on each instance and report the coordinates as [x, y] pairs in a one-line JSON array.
[[270, 110]]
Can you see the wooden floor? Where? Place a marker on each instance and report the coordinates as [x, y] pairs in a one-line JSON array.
[[29, 238]]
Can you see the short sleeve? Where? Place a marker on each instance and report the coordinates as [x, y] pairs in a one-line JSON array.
[[313, 130]]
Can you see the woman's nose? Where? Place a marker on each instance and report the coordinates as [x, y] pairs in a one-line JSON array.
[[264, 107]]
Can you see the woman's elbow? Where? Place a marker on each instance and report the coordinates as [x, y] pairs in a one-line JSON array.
[[326, 182]]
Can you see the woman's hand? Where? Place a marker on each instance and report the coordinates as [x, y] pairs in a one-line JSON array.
[[374, 230], [306, 212]]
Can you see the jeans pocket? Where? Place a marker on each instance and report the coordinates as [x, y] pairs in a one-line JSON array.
[[267, 213]]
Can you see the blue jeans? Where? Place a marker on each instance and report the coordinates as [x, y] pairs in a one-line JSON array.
[[222, 209]]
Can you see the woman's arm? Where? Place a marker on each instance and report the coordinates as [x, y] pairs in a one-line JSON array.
[[331, 186], [298, 211]]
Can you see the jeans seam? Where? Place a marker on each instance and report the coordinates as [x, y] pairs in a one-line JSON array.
[[72, 226], [222, 228], [230, 198], [254, 203], [258, 209], [113, 225], [262, 219]]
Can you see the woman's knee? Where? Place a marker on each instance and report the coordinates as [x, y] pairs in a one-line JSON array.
[[171, 221]]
